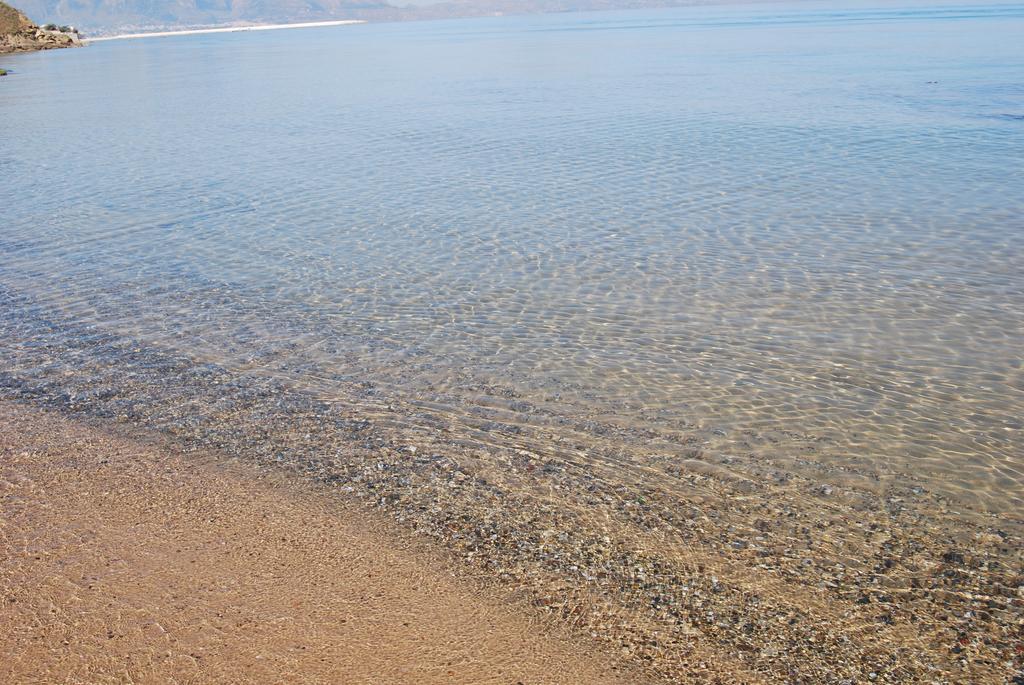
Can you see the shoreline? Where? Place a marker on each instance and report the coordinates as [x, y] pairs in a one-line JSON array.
[[124, 558], [225, 29], [683, 568]]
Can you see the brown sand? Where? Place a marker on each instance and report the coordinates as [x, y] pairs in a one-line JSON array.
[[126, 562]]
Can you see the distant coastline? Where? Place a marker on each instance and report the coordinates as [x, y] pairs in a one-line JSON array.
[[227, 29]]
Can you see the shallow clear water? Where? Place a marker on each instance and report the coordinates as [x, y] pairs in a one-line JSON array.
[[768, 232]]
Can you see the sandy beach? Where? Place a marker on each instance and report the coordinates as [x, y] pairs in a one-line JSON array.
[[125, 562]]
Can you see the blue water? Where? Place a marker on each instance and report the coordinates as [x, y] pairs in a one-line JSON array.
[[760, 226]]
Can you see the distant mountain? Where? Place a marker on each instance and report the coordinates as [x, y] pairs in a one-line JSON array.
[[485, 8], [105, 16], [113, 14]]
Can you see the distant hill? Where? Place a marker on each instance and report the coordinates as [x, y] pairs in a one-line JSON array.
[[105, 16]]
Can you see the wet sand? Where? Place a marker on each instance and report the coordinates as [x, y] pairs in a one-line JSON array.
[[126, 561]]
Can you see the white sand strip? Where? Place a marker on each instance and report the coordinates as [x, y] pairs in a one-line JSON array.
[[228, 29]]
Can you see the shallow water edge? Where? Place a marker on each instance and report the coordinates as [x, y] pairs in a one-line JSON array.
[[698, 574]]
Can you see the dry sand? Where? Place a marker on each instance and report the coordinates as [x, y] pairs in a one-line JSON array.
[[124, 561]]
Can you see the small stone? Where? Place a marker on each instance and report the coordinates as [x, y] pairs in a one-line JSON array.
[[953, 557]]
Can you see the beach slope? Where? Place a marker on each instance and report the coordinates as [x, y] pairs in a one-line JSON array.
[[129, 561]]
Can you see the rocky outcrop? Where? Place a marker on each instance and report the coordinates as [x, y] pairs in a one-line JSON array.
[[19, 34]]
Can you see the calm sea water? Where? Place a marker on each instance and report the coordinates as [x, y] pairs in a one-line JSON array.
[[786, 232]]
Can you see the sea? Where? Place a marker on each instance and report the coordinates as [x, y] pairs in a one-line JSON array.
[[779, 246]]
